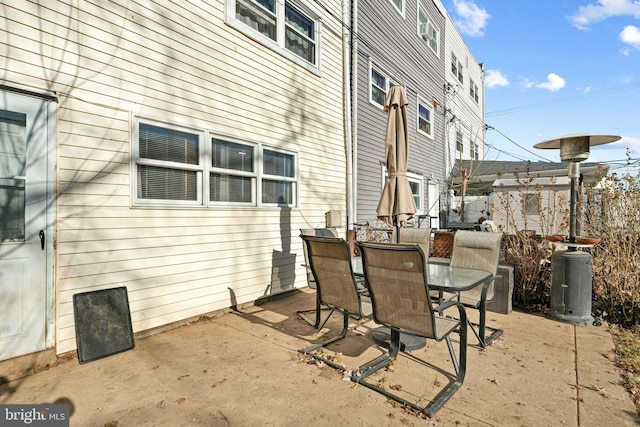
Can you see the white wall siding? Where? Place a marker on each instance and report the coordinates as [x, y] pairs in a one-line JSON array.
[[175, 62]]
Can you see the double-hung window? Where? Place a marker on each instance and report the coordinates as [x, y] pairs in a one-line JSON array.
[[473, 90], [174, 167], [168, 165], [428, 31], [474, 151], [379, 85], [459, 143], [288, 27], [457, 68], [425, 117]]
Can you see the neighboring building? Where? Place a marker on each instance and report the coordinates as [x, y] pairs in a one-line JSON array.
[[172, 148], [464, 100], [422, 51], [518, 195], [399, 43]]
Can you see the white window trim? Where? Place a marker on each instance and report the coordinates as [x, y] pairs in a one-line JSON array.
[[428, 23], [278, 46], [412, 177], [458, 74], [459, 147], [204, 169], [389, 81], [404, 6], [137, 161], [474, 91], [428, 106]]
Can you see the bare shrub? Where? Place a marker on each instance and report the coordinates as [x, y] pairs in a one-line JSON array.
[[612, 212]]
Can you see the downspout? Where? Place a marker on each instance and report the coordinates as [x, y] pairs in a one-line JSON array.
[[349, 14], [346, 79]]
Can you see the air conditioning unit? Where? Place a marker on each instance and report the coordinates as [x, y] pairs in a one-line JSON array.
[[425, 29]]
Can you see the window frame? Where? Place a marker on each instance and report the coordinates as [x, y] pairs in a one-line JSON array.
[[429, 24], [473, 90], [474, 152], [413, 178], [429, 106], [401, 9], [459, 141], [205, 168], [530, 204], [457, 68], [279, 45], [389, 81]]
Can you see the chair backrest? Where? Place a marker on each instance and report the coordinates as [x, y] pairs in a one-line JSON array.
[[323, 232], [396, 278], [421, 236], [479, 250], [330, 262]]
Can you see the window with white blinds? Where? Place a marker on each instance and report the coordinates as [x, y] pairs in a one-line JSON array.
[[174, 167]]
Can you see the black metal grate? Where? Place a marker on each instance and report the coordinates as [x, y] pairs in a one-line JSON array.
[[103, 323]]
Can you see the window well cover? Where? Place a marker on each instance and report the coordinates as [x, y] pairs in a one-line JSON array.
[[103, 323]]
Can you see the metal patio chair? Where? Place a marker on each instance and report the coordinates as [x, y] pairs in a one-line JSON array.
[[481, 251], [397, 280], [421, 236], [311, 281], [336, 287]]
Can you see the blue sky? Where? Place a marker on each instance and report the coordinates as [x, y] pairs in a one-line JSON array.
[[554, 68]]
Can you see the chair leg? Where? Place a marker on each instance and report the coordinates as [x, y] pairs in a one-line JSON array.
[[312, 351], [459, 364], [482, 328], [318, 311]]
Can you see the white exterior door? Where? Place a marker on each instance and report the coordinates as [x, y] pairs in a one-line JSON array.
[[25, 234]]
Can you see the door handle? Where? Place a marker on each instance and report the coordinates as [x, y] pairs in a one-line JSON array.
[[41, 234]]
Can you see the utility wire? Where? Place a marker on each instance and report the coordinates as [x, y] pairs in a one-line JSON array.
[[593, 94], [488, 127]]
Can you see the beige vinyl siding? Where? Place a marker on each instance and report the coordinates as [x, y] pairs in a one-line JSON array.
[[179, 63]]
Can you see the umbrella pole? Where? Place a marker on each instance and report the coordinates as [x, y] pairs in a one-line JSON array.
[[397, 226]]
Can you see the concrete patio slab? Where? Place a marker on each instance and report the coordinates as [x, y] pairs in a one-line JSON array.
[[244, 369]]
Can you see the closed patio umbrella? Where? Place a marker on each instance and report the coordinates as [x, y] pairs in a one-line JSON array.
[[396, 204]]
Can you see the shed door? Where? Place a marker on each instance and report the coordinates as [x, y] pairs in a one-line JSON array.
[[23, 224]]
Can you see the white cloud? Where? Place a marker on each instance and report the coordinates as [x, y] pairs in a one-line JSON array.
[[603, 9], [494, 78], [554, 82], [472, 20], [627, 142], [631, 35]]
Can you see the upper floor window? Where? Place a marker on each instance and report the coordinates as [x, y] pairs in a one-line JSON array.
[[173, 166], [459, 143], [379, 84], [428, 31], [425, 117], [399, 4], [456, 68], [289, 27], [473, 90], [474, 151]]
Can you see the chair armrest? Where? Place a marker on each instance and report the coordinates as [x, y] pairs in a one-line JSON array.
[[446, 304]]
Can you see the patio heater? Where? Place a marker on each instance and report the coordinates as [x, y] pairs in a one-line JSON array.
[[572, 270]]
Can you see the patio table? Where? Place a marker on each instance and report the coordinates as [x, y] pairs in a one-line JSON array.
[[441, 278]]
